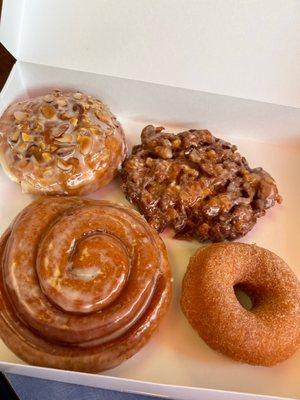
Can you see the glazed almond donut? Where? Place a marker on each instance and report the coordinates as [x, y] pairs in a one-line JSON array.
[[62, 143], [266, 334], [84, 283]]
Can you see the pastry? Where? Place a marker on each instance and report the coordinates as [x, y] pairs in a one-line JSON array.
[[196, 184], [62, 143], [265, 334], [84, 284]]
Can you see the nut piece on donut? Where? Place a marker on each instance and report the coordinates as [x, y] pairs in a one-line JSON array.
[[83, 284], [62, 143], [266, 334], [196, 184]]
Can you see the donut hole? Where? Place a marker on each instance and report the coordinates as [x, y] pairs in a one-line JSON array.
[[244, 296]]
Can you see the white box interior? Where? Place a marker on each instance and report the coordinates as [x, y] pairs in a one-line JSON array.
[[247, 49], [269, 136]]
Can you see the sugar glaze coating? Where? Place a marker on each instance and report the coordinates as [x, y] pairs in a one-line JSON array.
[[196, 184], [85, 288], [61, 143], [265, 335]]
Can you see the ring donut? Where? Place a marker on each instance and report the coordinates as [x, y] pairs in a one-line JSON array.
[[266, 334]]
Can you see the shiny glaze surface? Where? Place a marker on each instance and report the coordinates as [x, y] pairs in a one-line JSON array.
[[61, 143], [196, 184], [81, 279]]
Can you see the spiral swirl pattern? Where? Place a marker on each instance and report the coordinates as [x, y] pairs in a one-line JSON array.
[[84, 283]]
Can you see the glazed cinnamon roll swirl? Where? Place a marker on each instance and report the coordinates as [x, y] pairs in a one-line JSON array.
[[83, 285]]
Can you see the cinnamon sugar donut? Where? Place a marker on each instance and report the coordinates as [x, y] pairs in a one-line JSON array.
[[65, 143], [83, 284], [266, 334]]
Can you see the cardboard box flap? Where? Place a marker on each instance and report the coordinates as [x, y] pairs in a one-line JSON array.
[[237, 48], [11, 25]]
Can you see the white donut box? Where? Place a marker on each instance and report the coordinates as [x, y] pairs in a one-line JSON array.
[[232, 67]]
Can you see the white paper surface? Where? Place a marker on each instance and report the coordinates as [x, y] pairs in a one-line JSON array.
[[176, 355], [11, 25], [164, 105], [247, 49]]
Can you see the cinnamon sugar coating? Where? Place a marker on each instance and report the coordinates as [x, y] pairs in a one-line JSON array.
[[62, 143], [197, 184], [266, 334]]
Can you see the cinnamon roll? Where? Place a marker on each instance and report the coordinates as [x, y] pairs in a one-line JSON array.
[[84, 283]]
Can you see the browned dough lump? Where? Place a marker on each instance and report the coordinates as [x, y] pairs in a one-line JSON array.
[[196, 184]]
